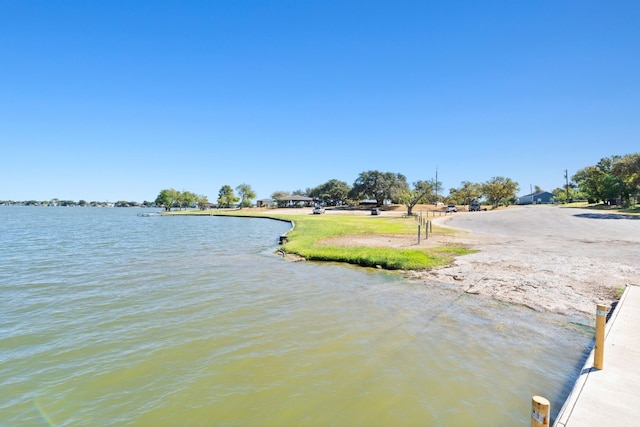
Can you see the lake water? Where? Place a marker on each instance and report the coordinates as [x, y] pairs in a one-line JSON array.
[[110, 319]]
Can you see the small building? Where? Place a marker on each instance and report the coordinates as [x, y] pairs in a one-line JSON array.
[[265, 203], [536, 198], [295, 202]]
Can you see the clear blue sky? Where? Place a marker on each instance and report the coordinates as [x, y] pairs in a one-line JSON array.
[[116, 100]]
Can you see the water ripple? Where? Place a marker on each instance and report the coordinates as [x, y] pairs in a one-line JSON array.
[[112, 319]]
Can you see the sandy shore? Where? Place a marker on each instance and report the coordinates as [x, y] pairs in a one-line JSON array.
[[548, 258], [545, 257]]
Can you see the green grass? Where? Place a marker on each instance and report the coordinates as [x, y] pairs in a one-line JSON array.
[[631, 211], [311, 234]]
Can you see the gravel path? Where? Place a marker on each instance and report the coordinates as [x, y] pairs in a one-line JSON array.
[[545, 257]]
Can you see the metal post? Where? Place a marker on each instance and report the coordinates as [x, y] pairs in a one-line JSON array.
[[418, 233]]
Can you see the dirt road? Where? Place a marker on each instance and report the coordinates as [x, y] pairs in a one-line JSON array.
[[545, 257]]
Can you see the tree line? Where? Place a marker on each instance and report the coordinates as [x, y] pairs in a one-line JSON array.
[[171, 198], [612, 180], [394, 188], [74, 203], [373, 185]]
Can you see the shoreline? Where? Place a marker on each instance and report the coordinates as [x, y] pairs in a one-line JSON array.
[[568, 260], [547, 258], [567, 273]]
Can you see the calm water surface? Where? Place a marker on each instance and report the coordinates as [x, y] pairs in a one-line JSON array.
[[108, 319]]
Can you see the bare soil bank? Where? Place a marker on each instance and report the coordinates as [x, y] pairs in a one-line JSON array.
[[545, 257], [549, 258]]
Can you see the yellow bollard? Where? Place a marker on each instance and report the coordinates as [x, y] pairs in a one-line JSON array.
[[601, 320], [540, 411]]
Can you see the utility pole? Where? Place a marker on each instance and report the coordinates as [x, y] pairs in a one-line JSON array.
[[566, 184], [531, 189], [436, 185]]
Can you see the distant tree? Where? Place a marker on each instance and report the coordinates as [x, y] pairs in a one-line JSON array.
[[560, 194], [628, 170], [331, 193], [499, 189], [379, 186], [202, 202], [589, 180], [537, 189], [277, 196], [299, 193], [246, 195], [612, 188], [437, 185], [226, 197], [599, 183], [167, 198], [420, 193], [187, 199], [398, 187], [467, 193]]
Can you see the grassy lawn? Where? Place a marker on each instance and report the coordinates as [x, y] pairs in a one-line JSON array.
[[308, 240], [311, 233], [632, 211]]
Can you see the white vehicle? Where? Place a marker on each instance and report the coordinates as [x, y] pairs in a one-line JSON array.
[[451, 208]]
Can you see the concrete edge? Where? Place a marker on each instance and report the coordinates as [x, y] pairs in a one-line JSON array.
[[572, 400]]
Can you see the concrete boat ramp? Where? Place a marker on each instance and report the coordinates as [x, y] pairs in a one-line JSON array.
[[611, 396]]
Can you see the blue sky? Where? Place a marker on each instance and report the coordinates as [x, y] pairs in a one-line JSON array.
[[116, 100]]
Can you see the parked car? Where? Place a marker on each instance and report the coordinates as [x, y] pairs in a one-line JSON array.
[[451, 208], [474, 207], [375, 211], [318, 210]]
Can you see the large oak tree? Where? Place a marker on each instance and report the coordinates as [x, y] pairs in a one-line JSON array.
[[331, 193], [499, 189], [379, 186], [167, 198]]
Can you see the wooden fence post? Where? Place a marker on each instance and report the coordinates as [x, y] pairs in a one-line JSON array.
[[601, 320], [540, 411]]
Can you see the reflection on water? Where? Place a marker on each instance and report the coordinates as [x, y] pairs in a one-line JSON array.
[[113, 319]]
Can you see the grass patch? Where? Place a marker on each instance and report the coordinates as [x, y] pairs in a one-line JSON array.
[[308, 240], [311, 232], [631, 211]]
